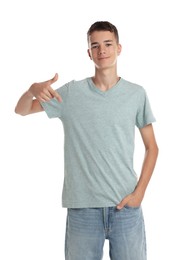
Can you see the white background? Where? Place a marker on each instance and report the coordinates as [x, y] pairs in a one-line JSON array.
[[39, 38]]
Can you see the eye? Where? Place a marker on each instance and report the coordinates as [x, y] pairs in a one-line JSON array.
[[94, 46], [108, 44]]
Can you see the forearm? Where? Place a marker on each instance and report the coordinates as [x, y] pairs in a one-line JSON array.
[[149, 163], [24, 104]]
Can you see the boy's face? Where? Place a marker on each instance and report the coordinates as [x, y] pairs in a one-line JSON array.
[[103, 49]]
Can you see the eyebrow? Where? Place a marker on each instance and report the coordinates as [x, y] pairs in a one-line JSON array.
[[106, 41]]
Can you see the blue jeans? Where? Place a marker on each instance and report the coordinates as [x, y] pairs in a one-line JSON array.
[[87, 229]]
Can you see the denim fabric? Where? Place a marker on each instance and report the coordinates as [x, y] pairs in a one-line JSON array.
[[87, 229]]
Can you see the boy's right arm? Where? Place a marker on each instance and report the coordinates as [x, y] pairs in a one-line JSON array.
[[29, 102]]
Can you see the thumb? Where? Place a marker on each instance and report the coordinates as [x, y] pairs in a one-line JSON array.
[[54, 79], [123, 202]]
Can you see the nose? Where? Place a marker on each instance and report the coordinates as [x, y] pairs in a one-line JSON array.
[[101, 50]]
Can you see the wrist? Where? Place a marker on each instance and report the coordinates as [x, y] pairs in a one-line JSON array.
[[29, 93], [139, 192]]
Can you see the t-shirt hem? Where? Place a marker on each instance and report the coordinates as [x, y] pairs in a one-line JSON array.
[[88, 205]]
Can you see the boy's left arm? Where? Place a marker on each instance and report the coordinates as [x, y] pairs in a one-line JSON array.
[[151, 153]]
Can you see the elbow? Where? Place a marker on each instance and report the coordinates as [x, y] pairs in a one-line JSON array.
[[155, 150], [19, 112]]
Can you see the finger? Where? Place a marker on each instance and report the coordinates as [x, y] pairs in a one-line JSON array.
[[44, 96], [54, 79], [47, 97], [46, 93], [123, 202], [55, 94], [120, 205], [51, 81], [42, 99]]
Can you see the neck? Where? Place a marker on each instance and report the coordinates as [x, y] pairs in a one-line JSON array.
[[105, 80]]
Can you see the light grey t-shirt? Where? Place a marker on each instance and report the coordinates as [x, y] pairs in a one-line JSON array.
[[99, 130]]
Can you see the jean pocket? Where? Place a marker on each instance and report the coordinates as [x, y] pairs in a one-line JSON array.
[[131, 207]]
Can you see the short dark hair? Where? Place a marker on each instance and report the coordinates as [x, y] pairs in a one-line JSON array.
[[103, 26]]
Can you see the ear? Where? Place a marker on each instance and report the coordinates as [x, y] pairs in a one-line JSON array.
[[89, 54], [119, 49]]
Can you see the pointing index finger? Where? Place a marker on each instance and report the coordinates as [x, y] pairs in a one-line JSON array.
[[55, 94]]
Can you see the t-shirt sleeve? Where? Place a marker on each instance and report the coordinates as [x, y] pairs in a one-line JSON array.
[[54, 108], [144, 114]]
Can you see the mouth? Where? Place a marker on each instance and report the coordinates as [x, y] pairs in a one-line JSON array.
[[102, 58]]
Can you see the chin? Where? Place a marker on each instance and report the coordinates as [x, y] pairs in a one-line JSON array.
[[103, 67]]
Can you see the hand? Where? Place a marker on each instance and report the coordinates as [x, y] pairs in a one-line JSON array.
[[131, 200], [43, 92]]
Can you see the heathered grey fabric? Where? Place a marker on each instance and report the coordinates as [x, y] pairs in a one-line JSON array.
[[99, 130]]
